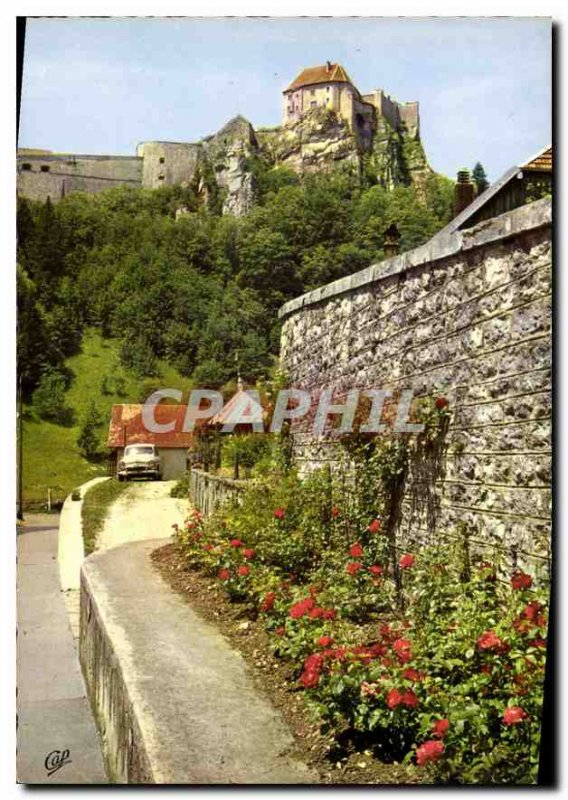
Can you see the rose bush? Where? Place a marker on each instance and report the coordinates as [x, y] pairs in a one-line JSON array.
[[432, 655]]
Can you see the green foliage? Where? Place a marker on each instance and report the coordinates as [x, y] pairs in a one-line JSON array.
[[480, 178], [96, 503], [181, 488], [49, 397], [193, 291], [51, 455], [88, 439]]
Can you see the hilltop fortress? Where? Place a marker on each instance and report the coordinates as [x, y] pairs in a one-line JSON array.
[[326, 120]]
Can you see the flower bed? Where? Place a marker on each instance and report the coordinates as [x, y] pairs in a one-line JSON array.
[[441, 668]]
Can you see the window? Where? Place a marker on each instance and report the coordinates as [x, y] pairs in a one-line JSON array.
[[313, 103], [162, 160], [27, 167], [44, 168], [312, 92], [160, 177], [140, 450]]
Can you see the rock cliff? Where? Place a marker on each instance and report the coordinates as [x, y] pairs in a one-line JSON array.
[[318, 141]]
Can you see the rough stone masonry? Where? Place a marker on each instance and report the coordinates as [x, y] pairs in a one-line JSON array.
[[466, 316]]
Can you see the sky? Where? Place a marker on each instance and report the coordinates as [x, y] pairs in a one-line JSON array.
[[103, 85]]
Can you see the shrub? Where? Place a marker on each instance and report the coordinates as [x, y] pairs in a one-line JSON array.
[[88, 439], [49, 398]]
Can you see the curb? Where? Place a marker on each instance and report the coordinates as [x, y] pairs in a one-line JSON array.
[[70, 547]]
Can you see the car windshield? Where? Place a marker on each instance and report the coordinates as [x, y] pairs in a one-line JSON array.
[[139, 450]]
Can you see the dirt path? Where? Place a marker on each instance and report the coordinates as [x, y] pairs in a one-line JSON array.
[[144, 511]]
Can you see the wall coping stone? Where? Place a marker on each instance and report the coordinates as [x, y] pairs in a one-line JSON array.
[[519, 220]]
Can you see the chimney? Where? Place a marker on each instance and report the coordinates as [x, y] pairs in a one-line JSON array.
[[391, 241], [464, 191], [328, 66]]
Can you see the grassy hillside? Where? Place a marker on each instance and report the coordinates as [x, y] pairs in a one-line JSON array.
[[51, 455]]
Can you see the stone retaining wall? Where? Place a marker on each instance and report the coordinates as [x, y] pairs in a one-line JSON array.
[[207, 492], [466, 316], [124, 753]]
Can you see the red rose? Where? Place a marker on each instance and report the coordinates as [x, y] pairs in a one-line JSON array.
[[309, 679], [409, 699], [329, 613], [441, 402], [489, 641], [440, 728], [325, 641], [532, 614], [429, 751], [407, 561], [376, 570], [243, 570], [268, 602], [521, 580], [513, 715], [335, 512], [224, 574], [356, 551], [236, 543], [413, 675], [280, 631], [301, 608], [315, 613], [402, 647], [394, 698], [353, 567], [248, 553], [207, 547], [375, 526], [279, 513]]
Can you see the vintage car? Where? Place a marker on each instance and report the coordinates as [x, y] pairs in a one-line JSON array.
[[140, 461]]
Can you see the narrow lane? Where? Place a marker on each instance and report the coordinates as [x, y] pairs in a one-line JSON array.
[[53, 711]]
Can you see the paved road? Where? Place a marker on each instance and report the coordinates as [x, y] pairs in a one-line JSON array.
[[144, 511], [53, 711]]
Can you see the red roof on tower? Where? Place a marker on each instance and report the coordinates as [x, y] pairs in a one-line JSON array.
[[325, 73]]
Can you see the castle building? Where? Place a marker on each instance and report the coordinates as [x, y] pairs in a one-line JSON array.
[[226, 154], [329, 86]]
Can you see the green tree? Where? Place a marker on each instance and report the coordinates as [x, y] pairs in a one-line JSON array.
[[88, 439], [49, 397], [480, 178]]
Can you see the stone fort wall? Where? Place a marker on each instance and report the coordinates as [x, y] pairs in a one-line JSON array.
[[468, 317], [56, 175], [169, 163]]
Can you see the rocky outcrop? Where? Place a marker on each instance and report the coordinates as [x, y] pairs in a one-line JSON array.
[[229, 154], [320, 139]]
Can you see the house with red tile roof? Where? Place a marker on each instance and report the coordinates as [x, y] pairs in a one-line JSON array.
[[127, 426]]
